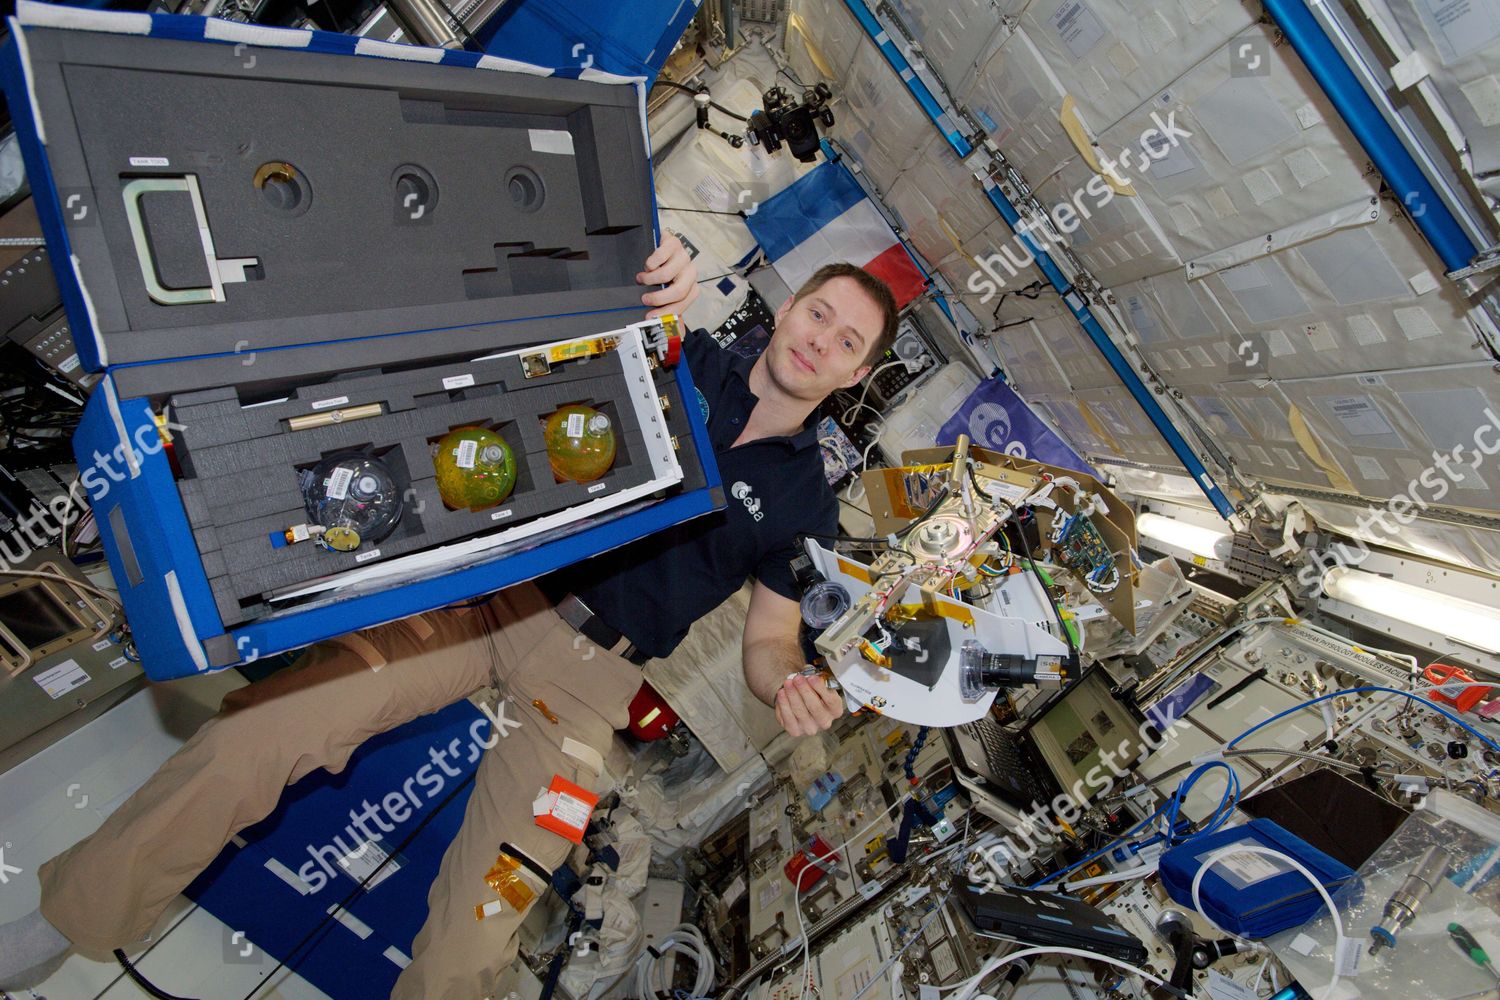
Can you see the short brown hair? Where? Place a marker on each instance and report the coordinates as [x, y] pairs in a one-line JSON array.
[[873, 287]]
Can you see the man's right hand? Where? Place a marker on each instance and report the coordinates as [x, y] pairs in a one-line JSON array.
[[805, 705]]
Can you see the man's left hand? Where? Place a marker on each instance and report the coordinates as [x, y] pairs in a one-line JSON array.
[[669, 265]]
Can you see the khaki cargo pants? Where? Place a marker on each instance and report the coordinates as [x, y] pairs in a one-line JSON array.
[[108, 890]]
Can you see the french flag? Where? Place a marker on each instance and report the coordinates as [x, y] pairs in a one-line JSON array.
[[824, 217]]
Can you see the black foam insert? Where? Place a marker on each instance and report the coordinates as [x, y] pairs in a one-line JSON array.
[[240, 464], [378, 196]]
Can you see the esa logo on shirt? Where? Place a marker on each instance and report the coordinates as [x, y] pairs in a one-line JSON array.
[[741, 492]]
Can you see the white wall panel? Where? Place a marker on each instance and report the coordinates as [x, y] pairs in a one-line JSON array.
[[1017, 99], [835, 37], [951, 34], [1115, 236], [1112, 55], [1265, 152]]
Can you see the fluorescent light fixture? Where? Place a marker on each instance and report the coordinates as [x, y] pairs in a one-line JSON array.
[[1468, 622], [1206, 542]]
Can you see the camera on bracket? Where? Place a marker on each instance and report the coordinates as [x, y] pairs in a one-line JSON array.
[[786, 120]]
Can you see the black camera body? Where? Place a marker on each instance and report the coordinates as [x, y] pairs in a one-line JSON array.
[[786, 120]]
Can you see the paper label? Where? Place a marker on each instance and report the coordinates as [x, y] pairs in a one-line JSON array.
[[770, 892], [1360, 416], [458, 381], [68, 363], [118, 662], [150, 161], [324, 404], [1221, 987], [735, 890], [1346, 959], [102, 645], [359, 863], [1241, 870], [571, 810], [597, 487], [1076, 27], [338, 483], [711, 192], [575, 425], [465, 453], [501, 514], [367, 556], [551, 140], [1458, 27], [62, 678]]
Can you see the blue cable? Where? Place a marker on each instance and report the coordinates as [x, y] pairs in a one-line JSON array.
[[1362, 690]]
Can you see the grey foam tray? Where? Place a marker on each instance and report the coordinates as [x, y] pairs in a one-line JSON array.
[[518, 231], [239, 464]]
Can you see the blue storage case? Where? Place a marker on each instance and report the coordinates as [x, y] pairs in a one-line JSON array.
[[286, 883], [255, 226], [1252, 895]]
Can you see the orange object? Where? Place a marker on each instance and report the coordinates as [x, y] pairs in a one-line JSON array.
[[1463, 698], [568, 815]]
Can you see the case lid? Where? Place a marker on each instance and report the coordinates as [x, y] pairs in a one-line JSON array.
[[225, 188]]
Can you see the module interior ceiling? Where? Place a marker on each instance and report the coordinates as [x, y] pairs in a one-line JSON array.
[[1367, 358]]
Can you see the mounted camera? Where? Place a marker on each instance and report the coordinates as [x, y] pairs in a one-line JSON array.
[[784, 119]]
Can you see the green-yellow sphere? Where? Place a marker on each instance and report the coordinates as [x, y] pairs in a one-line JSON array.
[[476, 468], [580, 443]]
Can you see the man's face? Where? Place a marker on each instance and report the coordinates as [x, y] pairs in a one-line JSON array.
[[821, 340]]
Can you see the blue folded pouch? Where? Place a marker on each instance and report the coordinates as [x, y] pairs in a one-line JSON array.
[[1252, 895]]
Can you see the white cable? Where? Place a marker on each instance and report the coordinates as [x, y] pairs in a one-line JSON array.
[[1226, 851], [973, 982], [869, 381], [1125, 876], [684, 938]]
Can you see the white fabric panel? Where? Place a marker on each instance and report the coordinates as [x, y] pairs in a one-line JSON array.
[[1080, 360], [704, 172], [1390, 425], [1265, 152], [1456, 42], [1448, 543], [952, 34], [1065, 414], [1119, 240], [1029, 365], [1112, 55], [1249, 421], [1180, 326], [885, 109], [952, 192], [1018, 99], [1344, 303], [963, 268], [1123, 421], [833, 32]]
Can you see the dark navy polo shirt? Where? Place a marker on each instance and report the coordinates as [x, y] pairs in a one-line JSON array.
[[653, 589]]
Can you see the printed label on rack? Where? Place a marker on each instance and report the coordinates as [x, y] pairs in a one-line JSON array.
[[150, 161], [458, 381], [68, 364], [102, 644], [324, 404], [118, 662], [338, 483], [464, 454], [365, 861], [575, 425], [59, 680], [367, 556], [501, 514], [597, 487]]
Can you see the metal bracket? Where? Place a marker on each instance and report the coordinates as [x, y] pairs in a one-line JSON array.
[[220, 272]]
